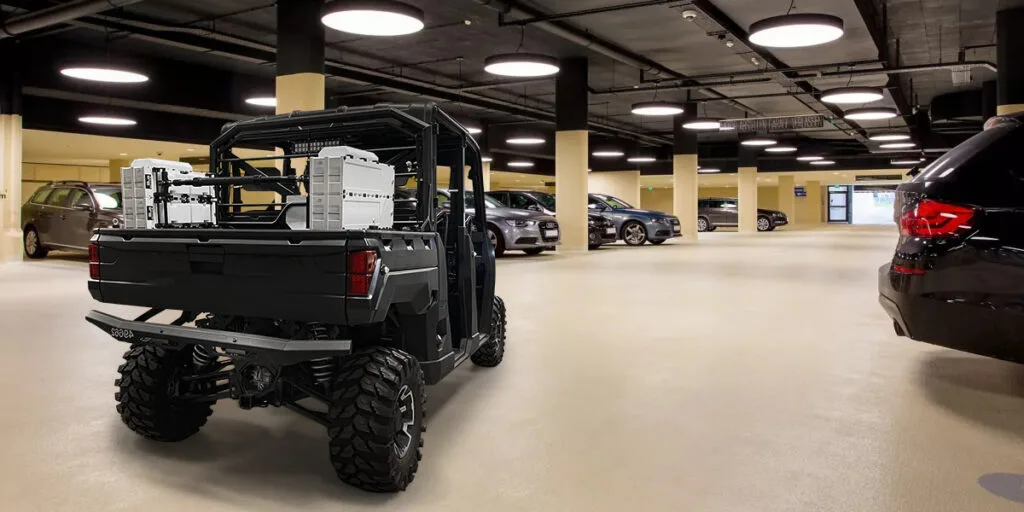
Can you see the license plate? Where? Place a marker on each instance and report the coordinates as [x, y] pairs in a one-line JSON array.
[[550, 233], [609, 231]]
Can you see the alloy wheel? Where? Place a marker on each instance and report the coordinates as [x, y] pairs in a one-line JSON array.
[[702, 225], [635, 234], [492, 237], [31, 242], [763, 224]]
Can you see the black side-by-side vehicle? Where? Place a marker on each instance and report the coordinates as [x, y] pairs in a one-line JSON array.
[[343, 327], [957, 276]]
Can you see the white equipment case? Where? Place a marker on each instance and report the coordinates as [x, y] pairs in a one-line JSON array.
[[350, 189], [148, 206]]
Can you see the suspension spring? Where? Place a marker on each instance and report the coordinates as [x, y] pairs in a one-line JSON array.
[[203, 356], [323, 368]]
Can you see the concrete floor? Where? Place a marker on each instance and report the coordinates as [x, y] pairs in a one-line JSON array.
[[749, 373]]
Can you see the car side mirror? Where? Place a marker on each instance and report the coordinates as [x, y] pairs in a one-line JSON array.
[[83, 207], [596, 207], [533, 207]]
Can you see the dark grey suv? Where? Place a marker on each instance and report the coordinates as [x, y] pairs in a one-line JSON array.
[[63, 215], [715, 212]]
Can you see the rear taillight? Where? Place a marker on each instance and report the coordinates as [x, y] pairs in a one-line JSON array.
[[94, 261], [930, 219], [361, 265]]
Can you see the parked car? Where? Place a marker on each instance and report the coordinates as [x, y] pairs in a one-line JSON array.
[[714, 212], [600, 229], [510, 229], [63, 215], [633, 225], [957, 275]]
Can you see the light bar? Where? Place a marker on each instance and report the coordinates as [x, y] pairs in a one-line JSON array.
[[759, 141], [870, 113], [852, 95], [115, 76], [657, 108], [809, 158], [262, 101], [521, 65], [108, 121], [608, 154], [781, 149]]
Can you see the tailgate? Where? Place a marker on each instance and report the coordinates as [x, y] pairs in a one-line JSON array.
[[269, 274]]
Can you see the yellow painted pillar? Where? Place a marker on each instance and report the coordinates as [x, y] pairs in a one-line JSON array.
[[571, 182], [787, 196], [487, 175], [684, 194], [747, 199], [10, 187], [815, 203]]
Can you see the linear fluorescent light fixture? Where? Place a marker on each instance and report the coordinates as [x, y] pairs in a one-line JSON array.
[[809, 158], [521, 65], [520, 163], [107, 120], [759, 141], [823, 162], [852, 95], [641, 159], [108, 75], [708, 170], [796, 30], [781, 149], [486, 159], [897, 145], [608, 154], [262, 101], [727, 128], [525, 140], [870, 113], [473, 130], [372, 18], [657, 108], [885, 137], [703, 123], [907, 161]]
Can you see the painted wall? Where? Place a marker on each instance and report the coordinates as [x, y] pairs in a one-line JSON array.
[[35, 174], [660, 199], [624, 185]]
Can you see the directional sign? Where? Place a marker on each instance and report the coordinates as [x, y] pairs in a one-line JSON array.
[[775, 124]]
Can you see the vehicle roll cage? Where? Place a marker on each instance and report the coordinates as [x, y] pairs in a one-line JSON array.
[[414, 138]]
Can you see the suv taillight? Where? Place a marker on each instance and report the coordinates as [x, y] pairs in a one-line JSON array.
[[94, 261], [930, 219], [361, 265]]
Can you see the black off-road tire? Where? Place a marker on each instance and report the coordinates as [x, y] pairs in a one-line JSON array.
[[366, 416], [535, 251], [491, 353], [38, 251], [144, 397]]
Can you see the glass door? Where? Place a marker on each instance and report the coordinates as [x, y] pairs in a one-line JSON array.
[[838, 203]]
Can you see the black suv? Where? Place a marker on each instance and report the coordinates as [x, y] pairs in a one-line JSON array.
[[714, 212], [63, 215], [957, 276]]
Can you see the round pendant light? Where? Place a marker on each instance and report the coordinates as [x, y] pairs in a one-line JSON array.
[[759, 141], [897, 145], [486, 159], [809, 158], [372, 18], [521, 65], [708, 170], [727, 128], [520, 163], [641, 159], [703, 123], [852, 95], [657, 108], [525, 140], [114, 76], [107, 120], [473, 130], [781, 149], [885, 137], [823, 162], [796, 30], [907, 161], [870, 113], [262, 101], [608, 154]]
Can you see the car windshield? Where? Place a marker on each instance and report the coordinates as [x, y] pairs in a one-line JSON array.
[[108, 198], [615, 202], [546, 200], [488, 200]]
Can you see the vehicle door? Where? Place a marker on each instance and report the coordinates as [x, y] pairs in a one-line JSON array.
[[596, 205], [79, 220], [33, 209], [50, 228], [726, 212]]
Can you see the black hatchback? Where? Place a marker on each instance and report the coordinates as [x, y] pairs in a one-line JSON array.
[[957, 277]]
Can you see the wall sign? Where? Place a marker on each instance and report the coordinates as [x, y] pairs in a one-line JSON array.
[[800, 191], [775, 124]]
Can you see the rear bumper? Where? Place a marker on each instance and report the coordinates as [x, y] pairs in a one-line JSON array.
[[996, 333], [261, 349]]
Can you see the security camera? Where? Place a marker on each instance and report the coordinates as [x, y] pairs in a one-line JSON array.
[[689, 15]]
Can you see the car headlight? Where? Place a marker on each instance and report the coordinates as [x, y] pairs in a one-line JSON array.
[[520, 223], [662, 220]]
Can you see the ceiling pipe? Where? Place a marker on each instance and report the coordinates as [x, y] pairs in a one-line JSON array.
[[58, 14], [584, 12], [598, 45]]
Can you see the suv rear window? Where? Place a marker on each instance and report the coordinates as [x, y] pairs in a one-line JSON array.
[[40, 196], [59, 197]]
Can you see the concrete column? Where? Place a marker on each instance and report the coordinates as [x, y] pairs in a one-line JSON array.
[[746, 194], [684, 174], [1009, 54], [814, 203], [10, 160], [787, 196], [571, 153], [486, 175], [624, 185]]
